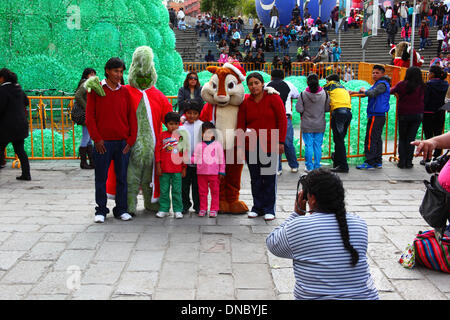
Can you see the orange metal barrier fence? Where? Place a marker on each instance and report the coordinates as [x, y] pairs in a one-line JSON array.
[[53, 113]]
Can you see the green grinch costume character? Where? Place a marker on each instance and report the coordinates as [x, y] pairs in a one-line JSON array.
[[151, 107]]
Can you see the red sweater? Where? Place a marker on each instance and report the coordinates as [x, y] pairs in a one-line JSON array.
[[166, 152], [111, 117], [269, 114]]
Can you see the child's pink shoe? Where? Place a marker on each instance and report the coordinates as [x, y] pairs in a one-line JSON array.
[[213, 214], [202, 213]]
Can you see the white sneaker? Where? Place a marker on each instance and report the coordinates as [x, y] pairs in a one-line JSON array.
[[252, 214], [126, 216], [178, 215], [279, 173], [99, 218], [294, 170], [307, 171], [161, 214], [269, 217]]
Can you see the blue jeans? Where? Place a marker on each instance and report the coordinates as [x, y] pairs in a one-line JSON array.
[[102, 161], [85, 138], [289, 149], [423, 43], [313, 146]]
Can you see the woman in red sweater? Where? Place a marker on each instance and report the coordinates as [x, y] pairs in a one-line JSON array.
[[262, 117]]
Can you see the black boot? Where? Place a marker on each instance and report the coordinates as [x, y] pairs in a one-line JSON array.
[[83, 157], [89, 156]]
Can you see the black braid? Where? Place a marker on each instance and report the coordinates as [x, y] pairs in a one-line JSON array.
[[329, 192]]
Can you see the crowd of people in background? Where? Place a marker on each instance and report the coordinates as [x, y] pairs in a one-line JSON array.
[[233, 45]]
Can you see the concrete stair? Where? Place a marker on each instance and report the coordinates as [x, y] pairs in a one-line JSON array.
[[194, 48], [187, 44], [377, 50]]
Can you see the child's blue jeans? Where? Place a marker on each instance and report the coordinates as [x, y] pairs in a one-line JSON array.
[[313, 147]]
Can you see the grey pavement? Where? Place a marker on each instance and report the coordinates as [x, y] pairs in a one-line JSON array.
[[50, 248]]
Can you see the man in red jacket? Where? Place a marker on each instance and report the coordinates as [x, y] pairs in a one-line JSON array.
[[111, 122]]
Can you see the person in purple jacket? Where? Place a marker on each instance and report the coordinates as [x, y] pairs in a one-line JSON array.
[[410, 106]]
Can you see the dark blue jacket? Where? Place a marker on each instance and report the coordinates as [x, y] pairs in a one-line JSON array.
[[379, 104]]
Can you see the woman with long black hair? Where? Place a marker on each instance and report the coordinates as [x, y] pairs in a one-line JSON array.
[[410, 93], [328, 247], [86, 146], [13, 119], [433, 117], [191, 90]]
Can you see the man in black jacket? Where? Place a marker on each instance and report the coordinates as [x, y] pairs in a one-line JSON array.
[[391, 31]]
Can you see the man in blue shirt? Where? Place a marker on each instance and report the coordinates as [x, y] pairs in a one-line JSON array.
[[377, 107]]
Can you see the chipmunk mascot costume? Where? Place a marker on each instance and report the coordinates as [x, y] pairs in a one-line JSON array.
[[224, 93], [401, 54], [151, 106]]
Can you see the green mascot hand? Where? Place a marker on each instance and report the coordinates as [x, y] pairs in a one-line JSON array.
[[93, 83]]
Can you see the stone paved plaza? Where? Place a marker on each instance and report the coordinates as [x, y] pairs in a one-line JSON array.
[[50, 248]]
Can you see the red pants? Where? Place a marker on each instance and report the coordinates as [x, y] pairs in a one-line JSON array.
[[214, 185]]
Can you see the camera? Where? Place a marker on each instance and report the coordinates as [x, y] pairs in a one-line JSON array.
[[436, 165]]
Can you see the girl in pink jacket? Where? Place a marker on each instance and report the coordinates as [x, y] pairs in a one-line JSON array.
[[210, 160]]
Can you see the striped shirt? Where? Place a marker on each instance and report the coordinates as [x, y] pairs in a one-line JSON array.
[[322, 266]]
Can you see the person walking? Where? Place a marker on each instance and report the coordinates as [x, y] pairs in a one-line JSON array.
[[13, 120], [86, 148], [328, 247], [312, 105], [287, 92], [410, 106], [264, 116], [391, 31], [423, 34]]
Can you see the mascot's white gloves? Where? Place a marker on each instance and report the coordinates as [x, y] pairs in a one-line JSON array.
[[271, 90]]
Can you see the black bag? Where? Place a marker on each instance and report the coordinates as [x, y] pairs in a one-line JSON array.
[[435, 204], [78, 114]]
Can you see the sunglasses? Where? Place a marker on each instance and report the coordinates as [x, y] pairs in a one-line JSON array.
[[193, 78]]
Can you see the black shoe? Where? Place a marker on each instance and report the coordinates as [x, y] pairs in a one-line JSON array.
[[339, 169], [409, 166], [422, 162], [25, 178], [401, 165]]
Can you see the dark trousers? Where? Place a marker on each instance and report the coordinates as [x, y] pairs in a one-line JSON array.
[[187, 182], [390, 39], [408, 125], [19, 149], [102, 161], [433, 125], [263, 182], [340, 121], [373, 144]]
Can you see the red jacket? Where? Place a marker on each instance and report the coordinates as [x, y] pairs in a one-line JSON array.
[[167, 153], [111, 117], [269, 114]]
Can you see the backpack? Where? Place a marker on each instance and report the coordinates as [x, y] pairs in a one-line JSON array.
[[431, 253]]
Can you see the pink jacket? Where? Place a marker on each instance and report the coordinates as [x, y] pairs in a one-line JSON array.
[[210, 159]]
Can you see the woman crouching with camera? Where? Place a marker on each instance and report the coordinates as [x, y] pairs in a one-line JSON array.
[[328, 246]]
